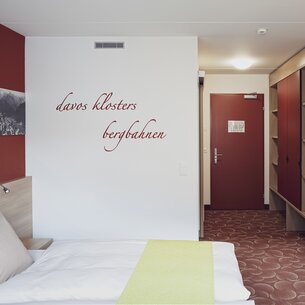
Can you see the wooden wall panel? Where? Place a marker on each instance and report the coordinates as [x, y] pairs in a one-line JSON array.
[[16, 206]]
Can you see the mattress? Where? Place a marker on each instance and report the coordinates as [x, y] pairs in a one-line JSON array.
[[96, 272]]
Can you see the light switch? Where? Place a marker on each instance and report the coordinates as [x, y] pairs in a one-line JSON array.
[[183, 170]]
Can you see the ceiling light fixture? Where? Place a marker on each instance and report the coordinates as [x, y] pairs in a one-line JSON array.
[[262, 31], [242, 63]]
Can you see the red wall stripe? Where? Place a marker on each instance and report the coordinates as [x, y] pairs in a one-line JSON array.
[[12, 148]]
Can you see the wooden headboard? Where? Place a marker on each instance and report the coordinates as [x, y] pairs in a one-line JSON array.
[[16, 206]]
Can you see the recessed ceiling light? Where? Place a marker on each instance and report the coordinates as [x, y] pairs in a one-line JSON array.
[[262, 31], [242, 63]]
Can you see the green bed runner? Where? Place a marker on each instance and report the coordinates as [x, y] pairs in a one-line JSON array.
[[172, 272]]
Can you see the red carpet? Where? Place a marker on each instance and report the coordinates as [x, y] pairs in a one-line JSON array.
[[272, 261]]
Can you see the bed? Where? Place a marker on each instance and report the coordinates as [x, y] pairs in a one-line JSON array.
[[96, 272], [90, 272]]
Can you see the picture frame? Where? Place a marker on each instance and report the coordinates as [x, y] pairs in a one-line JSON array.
[[12, 112]]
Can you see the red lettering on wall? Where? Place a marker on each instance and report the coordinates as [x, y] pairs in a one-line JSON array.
[[130, 133], [70, 106], [103, 103]]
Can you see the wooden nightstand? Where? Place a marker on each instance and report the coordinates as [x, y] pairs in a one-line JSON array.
[[37, 243]]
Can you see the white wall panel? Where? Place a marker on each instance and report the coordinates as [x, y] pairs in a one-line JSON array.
[[145, 188]]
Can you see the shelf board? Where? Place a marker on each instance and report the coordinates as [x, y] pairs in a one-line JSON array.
[[274, 189], [302, 213], [274, 111]]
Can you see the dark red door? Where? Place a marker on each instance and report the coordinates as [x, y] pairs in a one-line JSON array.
[[289, 142], [237, 152]]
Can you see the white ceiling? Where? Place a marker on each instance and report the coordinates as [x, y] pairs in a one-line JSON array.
[[226, 28]]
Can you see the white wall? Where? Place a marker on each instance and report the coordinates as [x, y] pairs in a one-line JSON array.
[[237, 83], [144, 188]]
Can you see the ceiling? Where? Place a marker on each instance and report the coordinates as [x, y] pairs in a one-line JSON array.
[[226, 28]]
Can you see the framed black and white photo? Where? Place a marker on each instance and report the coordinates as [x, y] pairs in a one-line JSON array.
[[12, 112]]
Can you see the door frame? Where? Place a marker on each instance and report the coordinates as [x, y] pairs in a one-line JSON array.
[[201, 157]]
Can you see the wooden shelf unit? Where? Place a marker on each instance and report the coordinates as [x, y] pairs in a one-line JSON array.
[[295, 217], [274, 135], [286, 143]]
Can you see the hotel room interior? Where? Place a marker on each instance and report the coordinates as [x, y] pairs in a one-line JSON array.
[[152, 152]]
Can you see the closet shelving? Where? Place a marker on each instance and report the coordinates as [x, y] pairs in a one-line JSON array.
[[295, 216], [274, 137]]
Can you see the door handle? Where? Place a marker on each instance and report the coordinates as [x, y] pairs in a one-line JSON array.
[[216, 155]]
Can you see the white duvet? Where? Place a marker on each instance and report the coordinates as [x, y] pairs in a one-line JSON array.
[[95, 272]]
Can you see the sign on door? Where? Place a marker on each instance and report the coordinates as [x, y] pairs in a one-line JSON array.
[[236, 126]]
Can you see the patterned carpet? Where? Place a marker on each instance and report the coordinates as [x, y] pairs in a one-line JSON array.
[[272, 261]]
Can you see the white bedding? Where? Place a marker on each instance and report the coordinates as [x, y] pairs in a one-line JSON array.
[[36, 254], [95, 272]]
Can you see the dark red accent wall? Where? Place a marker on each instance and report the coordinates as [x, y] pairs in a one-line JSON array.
[[12, 148]]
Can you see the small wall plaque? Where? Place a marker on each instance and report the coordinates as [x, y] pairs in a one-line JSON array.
[[236, 126]]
